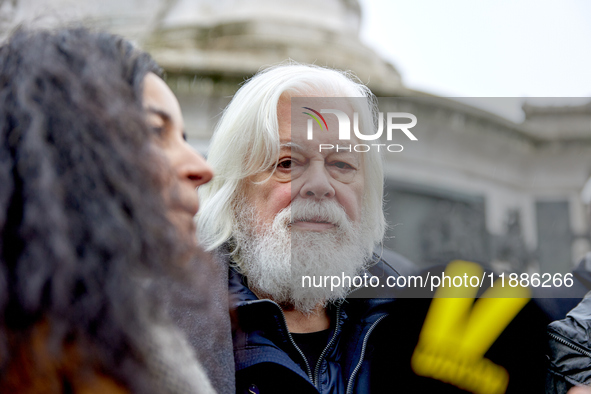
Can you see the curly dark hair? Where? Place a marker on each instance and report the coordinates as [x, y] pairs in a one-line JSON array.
[[81, 208]]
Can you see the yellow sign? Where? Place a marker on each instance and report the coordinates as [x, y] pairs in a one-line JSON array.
[[458, 332]]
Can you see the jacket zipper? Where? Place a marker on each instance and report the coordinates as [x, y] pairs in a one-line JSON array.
[[571, 345], [358, 366], [334, 335], [308, 370]]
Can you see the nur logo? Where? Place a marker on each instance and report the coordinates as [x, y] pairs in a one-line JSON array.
[[316, 119], [345, 129]]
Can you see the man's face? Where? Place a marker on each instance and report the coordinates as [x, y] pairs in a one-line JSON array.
[[303, 219], [305, 173], [189, 169]]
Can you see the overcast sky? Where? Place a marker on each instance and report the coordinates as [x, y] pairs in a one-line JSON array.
[[485, 48]]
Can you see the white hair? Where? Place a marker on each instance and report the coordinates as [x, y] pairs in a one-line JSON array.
[[246, 142]]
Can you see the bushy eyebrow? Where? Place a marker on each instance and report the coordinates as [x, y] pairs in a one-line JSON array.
[[291, 145]]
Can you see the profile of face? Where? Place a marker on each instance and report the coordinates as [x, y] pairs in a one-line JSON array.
[[305, 216], [189, 168]]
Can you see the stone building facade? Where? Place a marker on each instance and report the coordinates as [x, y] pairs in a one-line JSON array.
[[475, 186]]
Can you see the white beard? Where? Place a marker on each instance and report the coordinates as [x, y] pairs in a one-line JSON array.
[[274, 257]]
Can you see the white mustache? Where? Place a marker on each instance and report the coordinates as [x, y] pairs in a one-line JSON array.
[[314, 211]]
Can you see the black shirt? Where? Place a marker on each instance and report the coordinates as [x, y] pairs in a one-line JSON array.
[[311, 344]]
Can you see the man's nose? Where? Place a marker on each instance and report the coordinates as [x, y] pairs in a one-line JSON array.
[[317, 183]]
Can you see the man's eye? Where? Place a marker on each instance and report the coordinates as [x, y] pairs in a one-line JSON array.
[[342, 165], [285, 164]]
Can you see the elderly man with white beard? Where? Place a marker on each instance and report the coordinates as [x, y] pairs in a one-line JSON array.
[[281, 209]]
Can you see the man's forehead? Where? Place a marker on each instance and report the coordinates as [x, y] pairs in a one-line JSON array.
[[298, 114], [308, 150], [311, 108], [314, 118]]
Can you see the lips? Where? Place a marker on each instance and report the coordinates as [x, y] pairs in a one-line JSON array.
[[313, 219], [312, 224], [187, 207], [187, 202], [193, 207]]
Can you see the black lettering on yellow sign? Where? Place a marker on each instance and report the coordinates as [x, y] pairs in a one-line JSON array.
[[458, 332]]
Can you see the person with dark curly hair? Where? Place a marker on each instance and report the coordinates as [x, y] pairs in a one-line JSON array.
[[199, 303], [96, 202]]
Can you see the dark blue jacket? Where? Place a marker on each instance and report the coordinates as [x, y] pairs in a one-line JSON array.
[[268, 361]]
